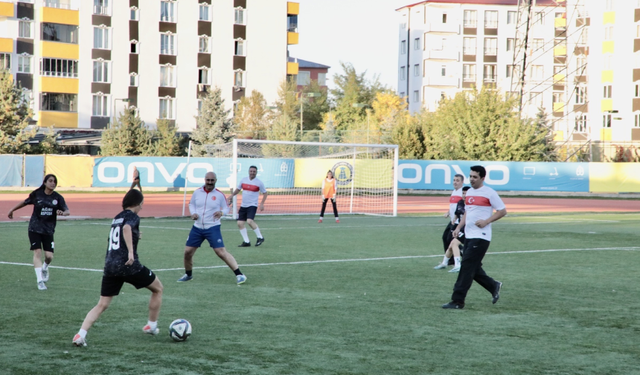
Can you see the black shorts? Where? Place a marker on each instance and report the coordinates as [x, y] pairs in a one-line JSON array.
[[41, 241], [111, 285], [245, 213]]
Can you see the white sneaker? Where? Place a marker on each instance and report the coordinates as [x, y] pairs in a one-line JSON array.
[[45, 275], [78, 340], [41, 285], [440, 266], [240, 279], [153, 332], [455, 269]]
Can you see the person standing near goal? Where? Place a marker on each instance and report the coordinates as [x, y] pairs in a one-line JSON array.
[[47, 205], [207, 206], [329, 188], [251, 188]]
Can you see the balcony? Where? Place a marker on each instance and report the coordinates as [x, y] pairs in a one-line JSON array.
[[58, 4], [292, 68], [60, 50], [6, 9], [58, 119], [293, 8], [292, 38], [438, 27], [6, 45], [101, 10], [442, 55], [60, 15], [606, 105], [558, 107], [59, 85], [442, 81]]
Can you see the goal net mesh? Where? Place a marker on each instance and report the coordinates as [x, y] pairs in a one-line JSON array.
[[293, 173]]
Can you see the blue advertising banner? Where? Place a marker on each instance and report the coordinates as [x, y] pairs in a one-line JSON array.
[[517, 176], [10, 170], [34, 170], [172, 171]]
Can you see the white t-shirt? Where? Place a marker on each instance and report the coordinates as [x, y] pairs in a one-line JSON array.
[[251, 190], [456, 197], [480, 204]]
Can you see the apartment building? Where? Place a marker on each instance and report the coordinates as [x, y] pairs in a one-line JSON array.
[[581, 59], [82, 61]]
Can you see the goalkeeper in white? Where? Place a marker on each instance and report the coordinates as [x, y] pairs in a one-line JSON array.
[[207, 206]]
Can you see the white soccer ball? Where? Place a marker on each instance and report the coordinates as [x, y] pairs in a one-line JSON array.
[[180, 330]]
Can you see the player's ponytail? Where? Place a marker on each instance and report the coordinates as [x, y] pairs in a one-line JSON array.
[[133, 198]]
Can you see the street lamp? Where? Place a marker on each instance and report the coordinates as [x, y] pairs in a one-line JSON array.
[[308, 95], [113, 114], [367, 107]]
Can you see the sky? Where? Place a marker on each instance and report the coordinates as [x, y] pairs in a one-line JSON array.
[[361, 32]]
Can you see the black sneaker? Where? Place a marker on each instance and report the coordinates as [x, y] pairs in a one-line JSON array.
[[496, 293], [259, 241], [245, 244], [453, 305]]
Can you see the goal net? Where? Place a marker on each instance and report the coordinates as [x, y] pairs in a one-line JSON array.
[[292, 173]]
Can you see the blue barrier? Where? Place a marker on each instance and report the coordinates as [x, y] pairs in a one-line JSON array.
[[517, 176], [34, 170], [10, 170]]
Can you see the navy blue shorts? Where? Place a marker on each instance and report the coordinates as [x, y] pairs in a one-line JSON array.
[[213, 235], [41, 241], [245, 213], [111, 285]]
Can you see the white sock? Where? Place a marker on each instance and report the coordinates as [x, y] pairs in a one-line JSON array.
[[337, 218], [258, 234], [457, 260], [445, 260], [82, 333], [321, 218], [153, 325], [39, 274], [45, 266], [245, 237]]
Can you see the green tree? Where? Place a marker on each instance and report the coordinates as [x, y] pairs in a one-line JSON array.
[[315, 107], [14, 117], [408, 134], [128, 136], [48, 144], [252, 116], [352, 88], [213, 124], [165, 141]]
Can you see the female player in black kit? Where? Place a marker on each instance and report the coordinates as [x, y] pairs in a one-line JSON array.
[[121, 266], [47, 205]]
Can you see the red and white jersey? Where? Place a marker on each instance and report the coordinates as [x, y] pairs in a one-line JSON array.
[[456, 197], [205, 204], [480, 204], [251, 190]]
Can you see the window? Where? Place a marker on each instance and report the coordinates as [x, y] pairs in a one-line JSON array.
[[238, 78], [490, 74], [59, 68], [537, 73], [416, 43], [101, 38], [133, 80], [166, 109], [24, 64], [292, 23], [535, 98], [167, 44], [490, 46], [636, 119], [51, 101], [304, 78], [558, 69], [510, 42], [584, 36], [581, 94], [100, 105], [608, 32], [512, 17], [25, 29], [537, 44], [203, 44], [606, 120], [167, 11], [54, 32], [27, 97], [491, 19], [402, 73], [636, 93], [609, 5], [134, 14], [199, 107], [203, 12], [203, 76], [607, 61], [239, 47], [100, 71], [509, 71], [606, 91], [322, 79], [167, 76], [469, 73], [638, 30], [101, 7], [581, 61], [403, 47], [581, 123], [416, 96], [134, 47], [444, 18], [443, 70], [470, 18], [538, 17], [469, 46], [416, 70], [239, 16]]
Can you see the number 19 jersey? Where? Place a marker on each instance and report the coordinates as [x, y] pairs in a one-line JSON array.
[[117, 251]]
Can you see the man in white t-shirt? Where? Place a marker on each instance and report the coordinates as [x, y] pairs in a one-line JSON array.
[[480, 203], [251, 188], [455, 197]]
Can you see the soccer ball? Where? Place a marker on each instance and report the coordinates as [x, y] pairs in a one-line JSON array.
[[180, 330]]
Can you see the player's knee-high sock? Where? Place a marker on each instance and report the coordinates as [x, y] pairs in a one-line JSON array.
[[257, 231], [244, 234], [39, 274]]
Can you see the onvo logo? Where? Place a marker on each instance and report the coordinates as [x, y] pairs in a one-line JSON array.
[[113, 172], [496, 174]]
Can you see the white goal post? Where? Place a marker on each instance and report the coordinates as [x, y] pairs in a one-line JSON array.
[[293, 172]]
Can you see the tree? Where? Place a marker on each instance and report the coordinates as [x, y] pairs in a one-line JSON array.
[[251, 118], [213, 124], [128, 136], [388, 111], [46, 145], [409, 136], [14, 117], [165, 142], [314, 108]]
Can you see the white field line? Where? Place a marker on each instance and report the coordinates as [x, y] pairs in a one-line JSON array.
[[351, 260]]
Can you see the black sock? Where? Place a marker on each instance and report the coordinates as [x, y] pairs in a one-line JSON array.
[[188, 272], [237, 271]]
